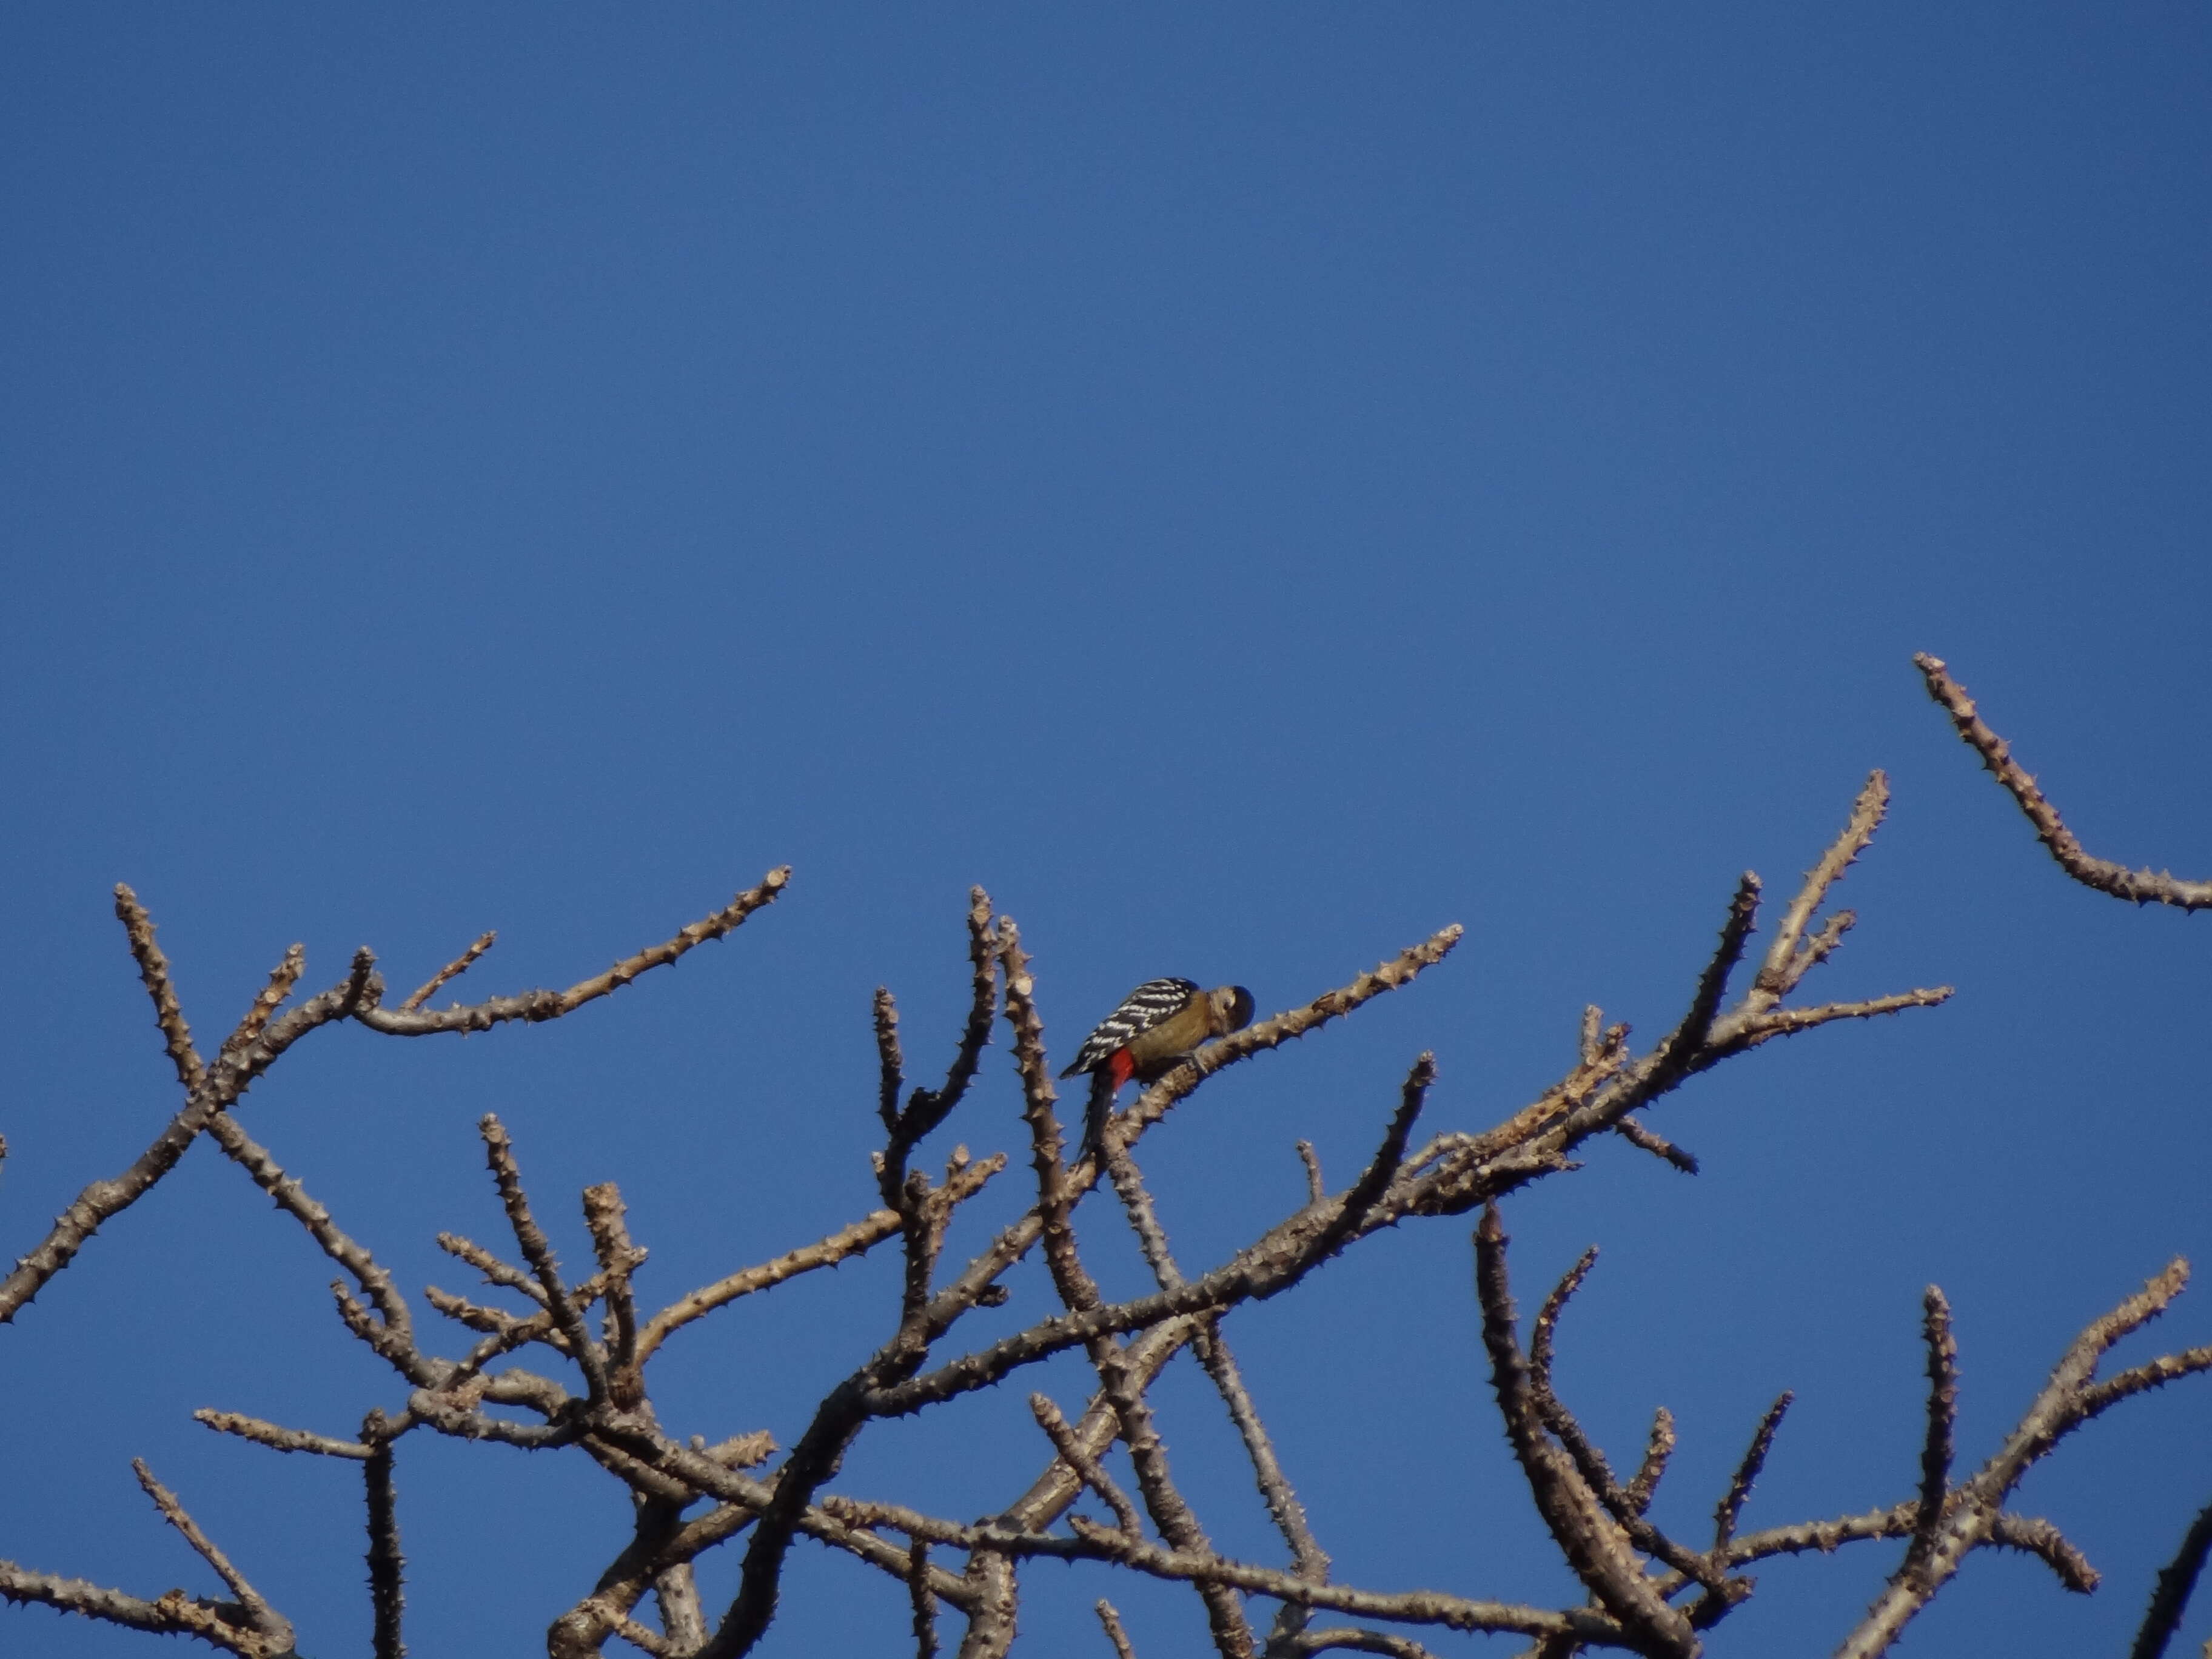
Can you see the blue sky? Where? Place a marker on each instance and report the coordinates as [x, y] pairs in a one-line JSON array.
[[1248, 487]]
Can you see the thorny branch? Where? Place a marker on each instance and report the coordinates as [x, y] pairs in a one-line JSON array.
[[2174, 1584], [1967, 1512], [2140, 886], [386, 1567], [689, 1498], [256, 1043]]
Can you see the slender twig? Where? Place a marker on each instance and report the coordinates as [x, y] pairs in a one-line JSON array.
[[891, 1060], [1682, 1050], [1317, 1188], [393, 1336], [2139, 886], [1072, 1451], [1638, 1135], [1307, 1558], [1731, 1508], [154, 969], [2170, 1599], [1784, 963], [535, 1006], [1359, 1203], [1593, 1545], [499, 1151], [1936, 1451], [452, 970], [855, 1240], [2025, 1533], [1542, 1331], [619, 1259], [1115, 1633], [279, 1438], [174, 1513], [282, 980], [495, 1271], [927, 1108], [1590, 1462], [1656, 1452], [1056, 1194], [920, 1599]]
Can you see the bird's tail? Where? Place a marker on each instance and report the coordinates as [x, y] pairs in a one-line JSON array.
[[1096, 1112]]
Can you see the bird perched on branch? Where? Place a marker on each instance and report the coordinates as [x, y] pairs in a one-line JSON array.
[[1155, 1029]]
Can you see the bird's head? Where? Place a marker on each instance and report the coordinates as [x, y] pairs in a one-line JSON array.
[[1234, 1004]]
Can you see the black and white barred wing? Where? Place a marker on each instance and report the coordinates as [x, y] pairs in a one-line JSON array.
[[1154, 1000]]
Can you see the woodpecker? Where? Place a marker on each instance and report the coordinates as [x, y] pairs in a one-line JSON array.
[[1156, 1027]]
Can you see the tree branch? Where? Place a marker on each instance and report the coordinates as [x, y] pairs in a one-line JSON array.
[[535, 1005], [2138, 886], [1594, 1544], [452, 970], [386, 1566], [2171, 1597]]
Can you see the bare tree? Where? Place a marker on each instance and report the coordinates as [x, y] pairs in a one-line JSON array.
[[560, 1364]]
